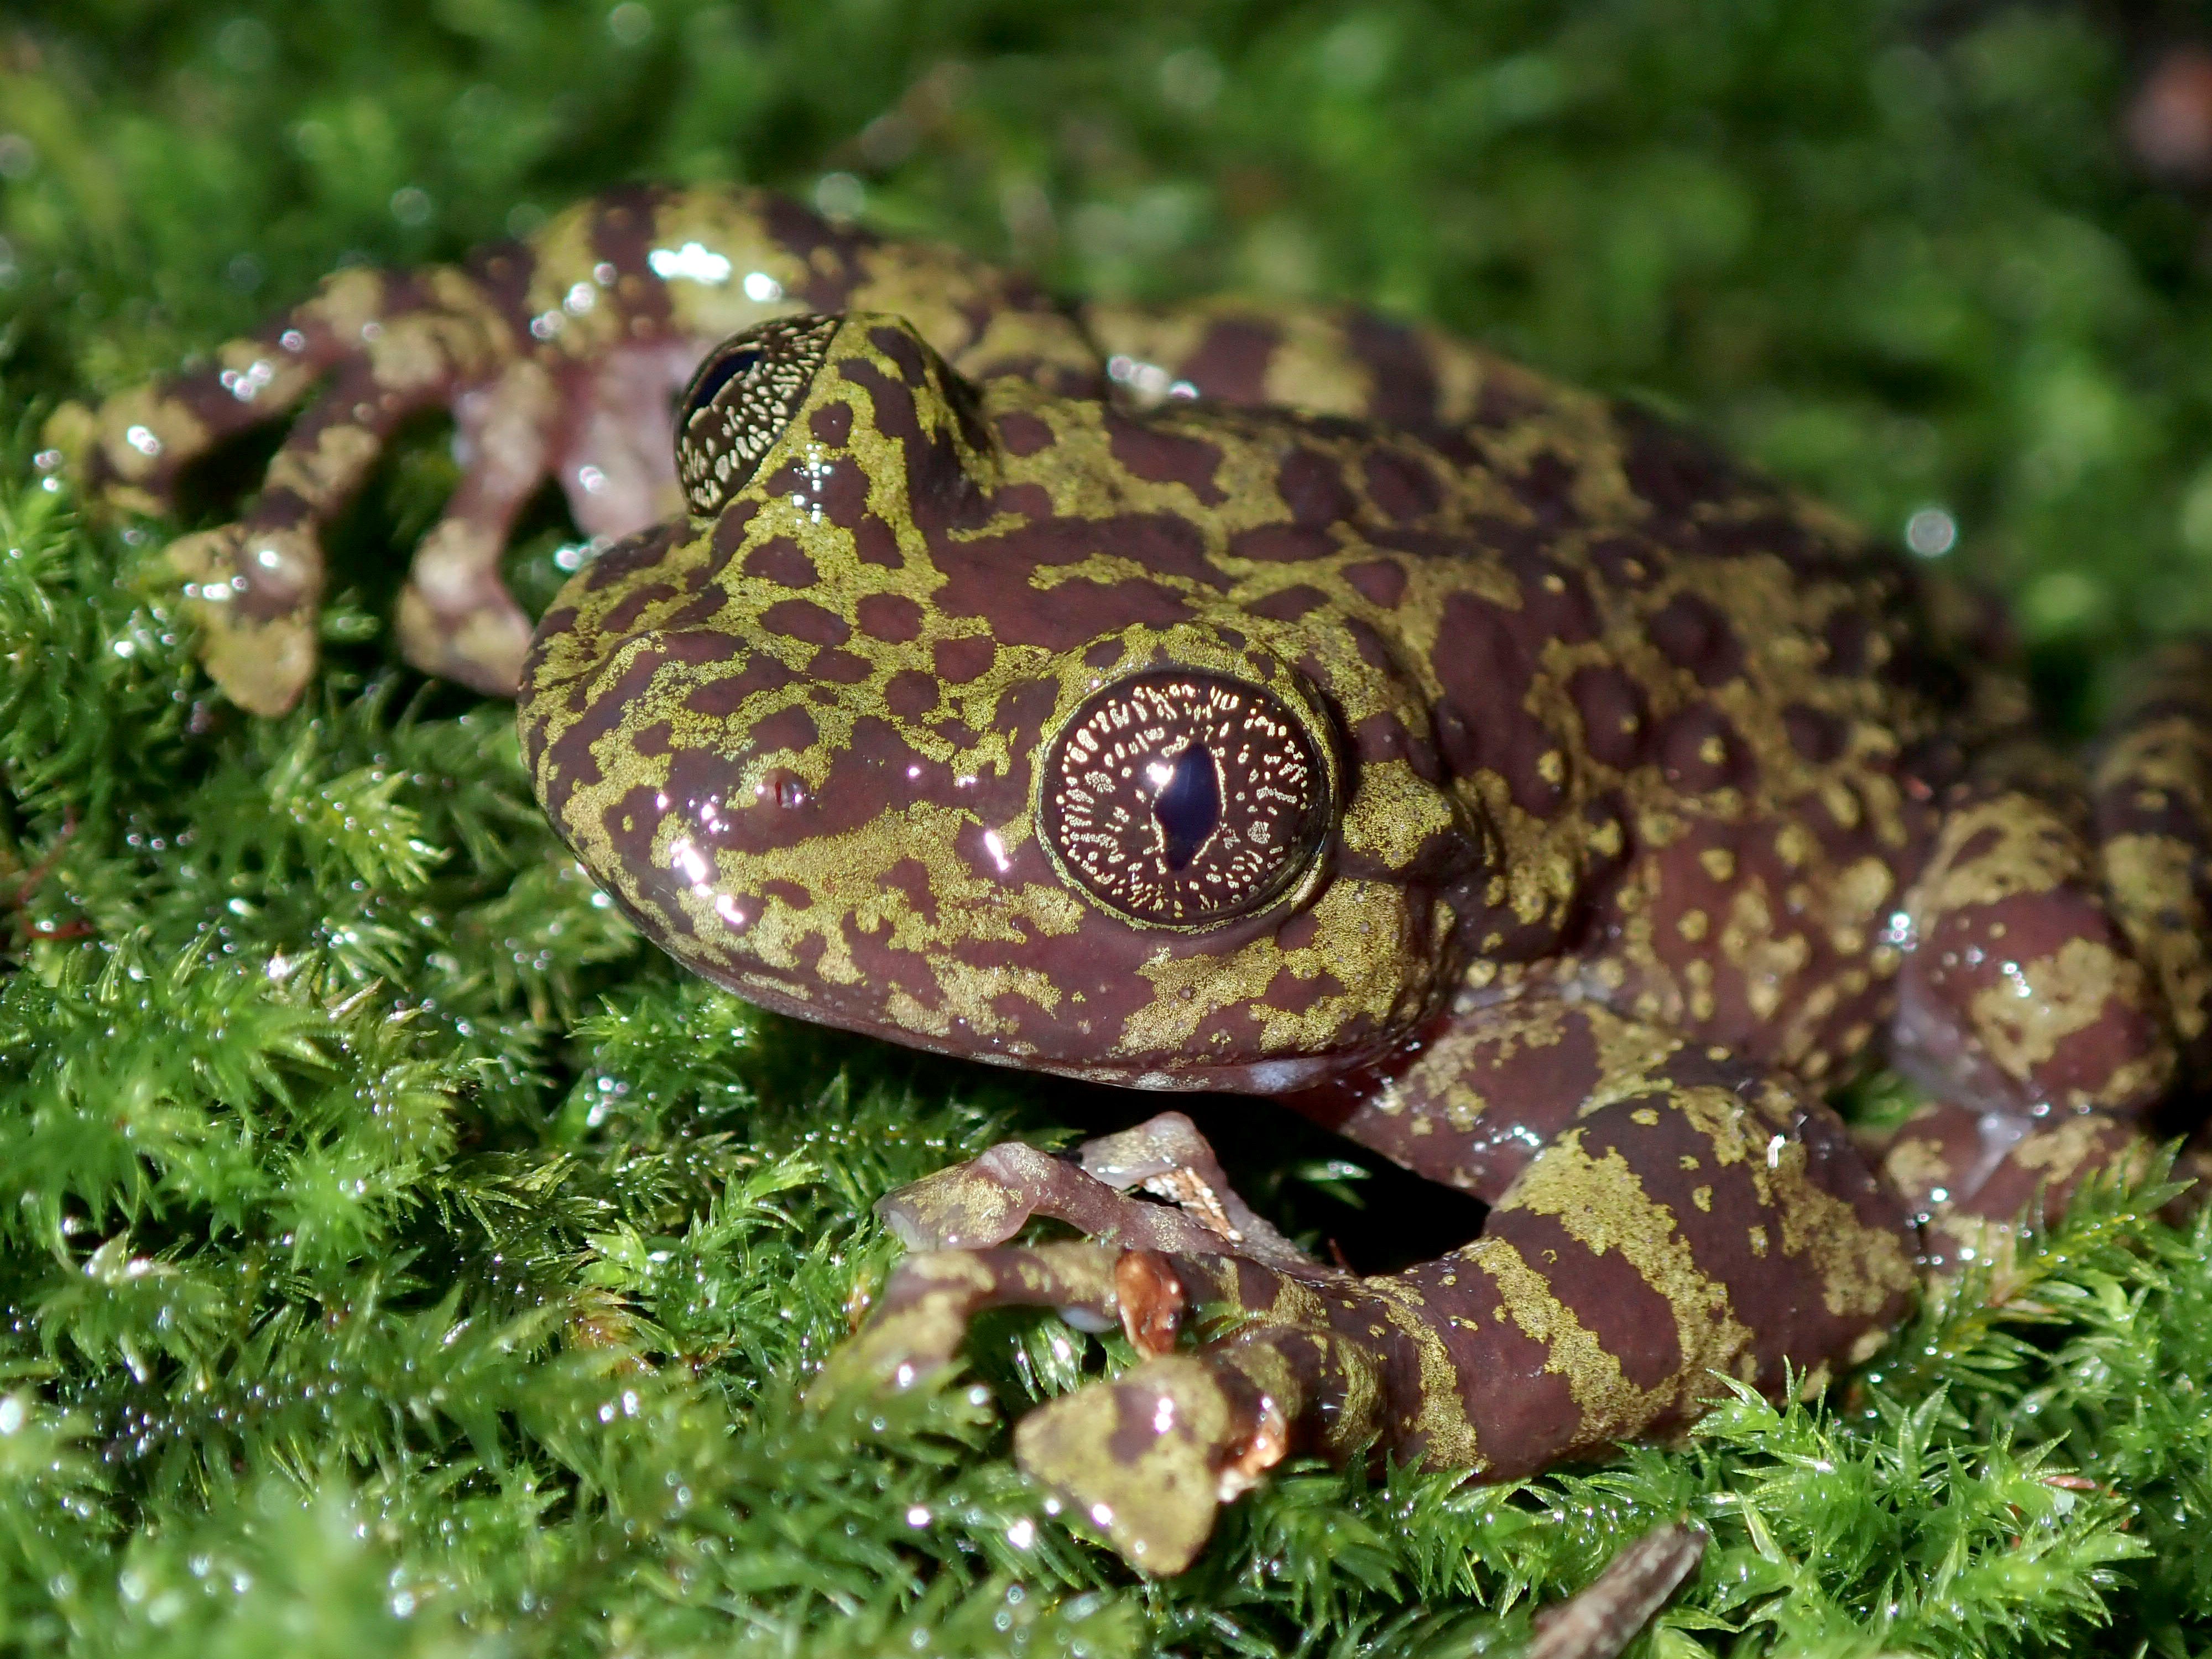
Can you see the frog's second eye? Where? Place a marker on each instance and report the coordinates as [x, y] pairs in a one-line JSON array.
[[739, 402], [1184, 799]]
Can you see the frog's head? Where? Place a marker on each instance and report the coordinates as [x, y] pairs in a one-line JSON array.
[[933, 721]]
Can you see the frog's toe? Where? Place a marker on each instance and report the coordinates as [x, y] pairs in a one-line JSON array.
[[480, 644], [1166, 1157], [922, 1316], [983, 1202], [125, 453], [987, 1199], [69, 440], [1149, 1457], [253, 590], [919, 1325], [457, 620]]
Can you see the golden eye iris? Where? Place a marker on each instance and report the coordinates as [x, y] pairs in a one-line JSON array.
[[739, 401], [1183, 798]]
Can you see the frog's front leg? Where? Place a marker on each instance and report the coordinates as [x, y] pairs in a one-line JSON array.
[[390, 344], [1674, 1215], [1148, 1457], [957, 1222], [987, 1199], [1686, 1209], [558, 358]]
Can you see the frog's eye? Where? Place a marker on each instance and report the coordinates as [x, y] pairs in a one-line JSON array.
[[739, 402], [1184, 799]]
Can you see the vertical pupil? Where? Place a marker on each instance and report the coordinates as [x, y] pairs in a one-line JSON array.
[[1187, 809], [736, 363]]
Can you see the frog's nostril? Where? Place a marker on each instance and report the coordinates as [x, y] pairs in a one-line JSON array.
[[780, 788], [1187, 809]]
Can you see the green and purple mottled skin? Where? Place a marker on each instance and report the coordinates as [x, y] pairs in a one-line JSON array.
[[1295, 702]]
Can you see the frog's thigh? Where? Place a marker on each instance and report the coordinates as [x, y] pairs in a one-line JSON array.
[[2022, 992]]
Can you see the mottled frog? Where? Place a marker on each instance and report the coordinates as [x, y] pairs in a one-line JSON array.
[[1285, 701]]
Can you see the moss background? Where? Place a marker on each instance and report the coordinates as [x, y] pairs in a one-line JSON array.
[[397, 1257]]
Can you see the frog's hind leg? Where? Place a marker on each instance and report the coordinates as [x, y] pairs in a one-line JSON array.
[[2061, 993], [1974, 1176], [2151, 791]]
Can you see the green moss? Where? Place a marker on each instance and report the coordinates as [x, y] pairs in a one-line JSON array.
[[397, 1257]]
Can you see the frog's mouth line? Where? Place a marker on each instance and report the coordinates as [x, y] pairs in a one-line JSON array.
[[1258, 1077]]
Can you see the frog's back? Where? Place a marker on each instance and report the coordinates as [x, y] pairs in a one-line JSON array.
[[1580, 517], [1706, 718], [1745, 708]]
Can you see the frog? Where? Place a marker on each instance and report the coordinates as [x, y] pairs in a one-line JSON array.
[[1284, 700]]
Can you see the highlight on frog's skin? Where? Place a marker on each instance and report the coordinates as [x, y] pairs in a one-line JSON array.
[[1184, 799]]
